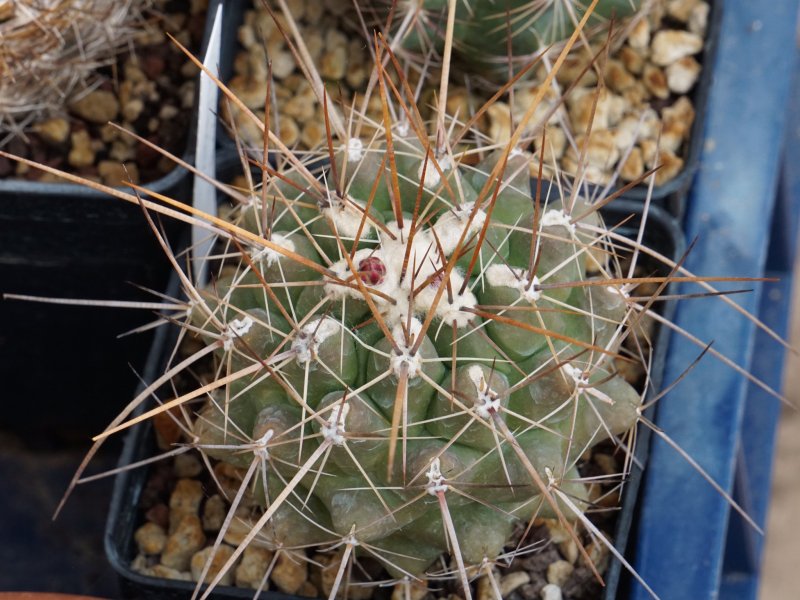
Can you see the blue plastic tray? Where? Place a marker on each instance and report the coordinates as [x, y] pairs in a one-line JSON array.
[[690, 543]]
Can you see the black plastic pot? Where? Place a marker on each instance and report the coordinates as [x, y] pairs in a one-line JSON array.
[[665, 235], [672, 196], [64, 240], [662, 234], [60, 240]]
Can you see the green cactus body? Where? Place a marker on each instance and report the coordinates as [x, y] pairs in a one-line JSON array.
[[401, 372], [489, 32]]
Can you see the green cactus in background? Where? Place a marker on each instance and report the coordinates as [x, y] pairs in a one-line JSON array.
[[491, 35]]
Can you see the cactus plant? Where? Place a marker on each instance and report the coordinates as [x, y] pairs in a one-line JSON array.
[[412, 348], [51, 51], [492, 35], [449, 344]]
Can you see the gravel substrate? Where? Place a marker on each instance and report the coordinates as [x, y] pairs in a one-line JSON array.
[[643, 115], [150, 91], [183, 507], [184, 510]]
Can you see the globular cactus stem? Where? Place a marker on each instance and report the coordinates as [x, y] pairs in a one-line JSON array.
[[412, 350], [491, 35], [428, 351]]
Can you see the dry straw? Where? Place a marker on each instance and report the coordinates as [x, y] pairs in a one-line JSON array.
[[50, 51]]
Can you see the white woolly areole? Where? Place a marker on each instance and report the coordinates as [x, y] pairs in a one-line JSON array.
[[557, 217], [582, 381], [432, 177], [618, 290], [310, 337], [333, 429], [260, 445], [487, 400], [192, 306], [423, 263], [413, 364], [401, 128], [453, 311], [516, 151], [515, 278], [451, 225], [575, 374], [551, 480], [236, 328], [355, 149], [436, 481], [350, 540], [269, 255], [347, 219], [445, 310]]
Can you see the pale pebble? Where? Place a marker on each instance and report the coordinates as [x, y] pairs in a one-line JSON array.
[[617, 76], [670, 165], [290, 571], [150, 538], [132, 109], [512, 581], [632, 59], [681, 9], [683, 74], [115, 174], [214, 512], [182, 544], [555, 143], [53, 131], [558, 572], [253, 566], [698, 20], [333, 64], [98, 106], [250, 92], [551, 592], [283, 64], [656, 82], [218, 560], [164, 572], [289, 131], [639, 37], [81, 153], [238, 530], [185, 499], [670, 45], [324, 570], [410, 589], [122, 151]]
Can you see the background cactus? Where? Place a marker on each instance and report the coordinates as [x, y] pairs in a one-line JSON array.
[[492, 36], [51, 51]]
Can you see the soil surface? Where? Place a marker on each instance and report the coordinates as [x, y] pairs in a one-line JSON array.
[[149, 91]]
